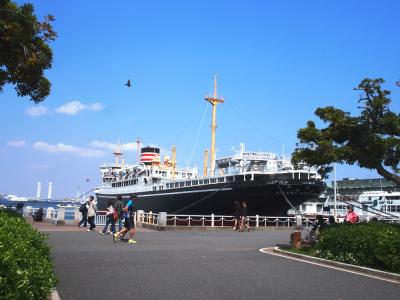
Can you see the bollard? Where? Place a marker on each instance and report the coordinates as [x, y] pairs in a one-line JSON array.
[[61, 215], [139, 214], [49, 213], [295, 239], [299, 222], [77, 214], [162, 219], [257, 220]]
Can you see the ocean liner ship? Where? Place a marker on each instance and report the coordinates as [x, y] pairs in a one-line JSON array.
[[268, 183]]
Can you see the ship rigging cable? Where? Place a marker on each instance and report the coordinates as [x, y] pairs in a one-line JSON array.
[[184, 128], [254, 126], [82, 195], [196, 141]]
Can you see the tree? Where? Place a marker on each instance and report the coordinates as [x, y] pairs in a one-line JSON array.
[[370, 140], [24, 50]]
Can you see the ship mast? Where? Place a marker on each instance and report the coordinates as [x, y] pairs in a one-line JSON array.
[[205, 163], [117, 153], [173, 165], [214, 100], [138, 150]]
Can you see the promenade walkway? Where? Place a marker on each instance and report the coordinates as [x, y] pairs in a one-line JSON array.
[[196, 265]]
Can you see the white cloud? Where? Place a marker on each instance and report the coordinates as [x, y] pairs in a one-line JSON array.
[[67, 149], [75, 107], [126, 147], [17, 143], [36, 111], [94, 106]]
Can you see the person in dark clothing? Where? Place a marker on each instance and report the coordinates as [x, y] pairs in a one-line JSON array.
[[331, 220], [19, 207], [84, 210], [243, 215], [38, 216], [319, 223], [236, 215]]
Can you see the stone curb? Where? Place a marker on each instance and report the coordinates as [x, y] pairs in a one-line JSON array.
[[360, 269]]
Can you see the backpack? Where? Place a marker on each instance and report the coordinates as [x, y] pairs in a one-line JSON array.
[[115, 215], [82, 207]]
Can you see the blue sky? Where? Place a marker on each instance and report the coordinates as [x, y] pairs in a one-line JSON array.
[[277, 61]]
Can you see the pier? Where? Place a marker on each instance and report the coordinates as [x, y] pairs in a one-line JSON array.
[[195, 265]]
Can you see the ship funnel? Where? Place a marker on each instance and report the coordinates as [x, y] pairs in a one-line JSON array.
[[150, 155], [50, 190], [39, 190]]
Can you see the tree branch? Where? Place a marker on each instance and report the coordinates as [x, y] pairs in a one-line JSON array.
[[386, 174]]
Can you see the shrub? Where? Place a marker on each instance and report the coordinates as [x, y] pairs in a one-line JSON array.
[[375, 245], [26, 271]]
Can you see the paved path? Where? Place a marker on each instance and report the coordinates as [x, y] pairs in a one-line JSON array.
[[197, 265]]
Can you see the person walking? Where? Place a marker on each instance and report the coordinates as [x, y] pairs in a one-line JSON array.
[[84, 211], [129, 223], [119, 207], [109, 219], [243, 215], [236, 215], [91, 213]]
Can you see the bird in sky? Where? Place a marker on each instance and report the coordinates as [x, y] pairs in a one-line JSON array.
[[128, 84], [398, 83]]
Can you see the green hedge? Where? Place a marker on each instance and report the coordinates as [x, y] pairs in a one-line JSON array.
[[26, 271], [374, 245]]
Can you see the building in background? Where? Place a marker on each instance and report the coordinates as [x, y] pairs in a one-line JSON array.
[[352, 188]]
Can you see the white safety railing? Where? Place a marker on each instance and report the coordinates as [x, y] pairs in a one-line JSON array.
[[72, 215], [228, 221], [147, 218], [100, 218]]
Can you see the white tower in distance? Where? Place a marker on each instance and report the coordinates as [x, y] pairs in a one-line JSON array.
[[50, 190], [39, 190]]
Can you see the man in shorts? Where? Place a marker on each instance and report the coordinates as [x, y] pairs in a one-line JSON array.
[[129, 222]]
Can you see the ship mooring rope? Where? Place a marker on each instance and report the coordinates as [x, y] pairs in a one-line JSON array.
[[287, 200], [200, 200]]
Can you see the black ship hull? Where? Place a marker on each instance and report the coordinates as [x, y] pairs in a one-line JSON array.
[[264, 194]]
